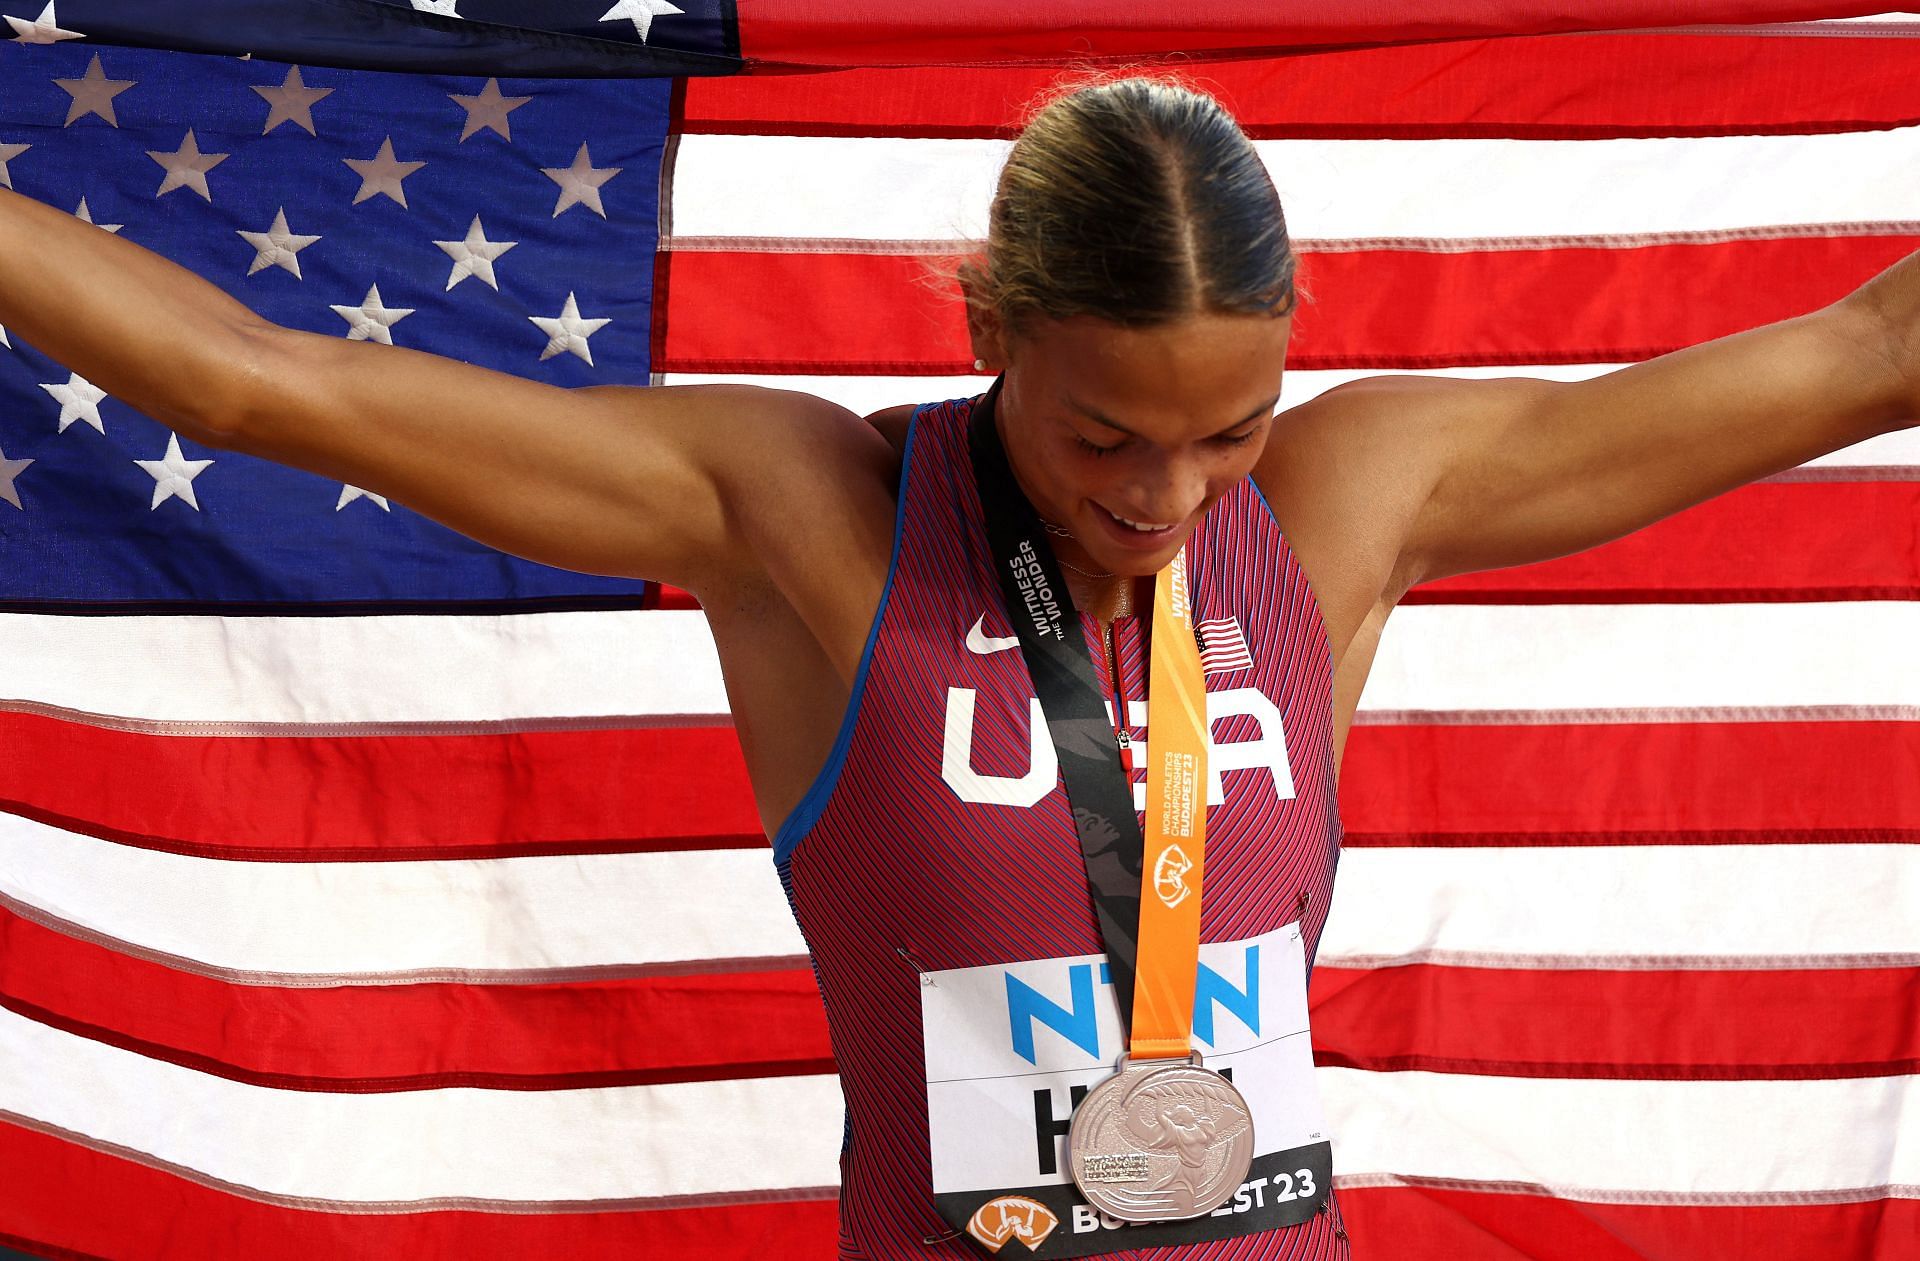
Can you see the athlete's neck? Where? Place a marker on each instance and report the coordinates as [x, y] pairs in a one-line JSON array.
[[1115, 595]]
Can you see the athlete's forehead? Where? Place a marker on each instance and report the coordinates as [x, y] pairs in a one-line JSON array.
[[1100, 418], [1179, 381]]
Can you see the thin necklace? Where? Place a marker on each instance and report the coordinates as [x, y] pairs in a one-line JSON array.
[[1126, 593], [1123, 606], [1064, 533], [1084, 573]]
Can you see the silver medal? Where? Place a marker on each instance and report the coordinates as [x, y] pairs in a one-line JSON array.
[[1160, 1141]]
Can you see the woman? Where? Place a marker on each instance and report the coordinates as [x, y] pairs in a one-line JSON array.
[[1135, 303]]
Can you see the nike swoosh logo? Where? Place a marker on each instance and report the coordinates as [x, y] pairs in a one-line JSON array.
[[980, 642]]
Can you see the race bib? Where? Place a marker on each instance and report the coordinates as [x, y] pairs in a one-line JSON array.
[[1012, 1048]]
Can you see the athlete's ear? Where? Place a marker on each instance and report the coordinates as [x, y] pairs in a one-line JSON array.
[[984, 330]]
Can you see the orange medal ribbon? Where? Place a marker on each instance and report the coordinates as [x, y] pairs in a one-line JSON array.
[[1175, 827]]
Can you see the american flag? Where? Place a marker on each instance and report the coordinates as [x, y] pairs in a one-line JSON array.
[[366, 892], [1223, 646]]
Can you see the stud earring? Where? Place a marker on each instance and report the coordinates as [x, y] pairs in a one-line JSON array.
[[979, 365]]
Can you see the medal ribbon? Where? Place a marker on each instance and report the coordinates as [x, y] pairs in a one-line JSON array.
[[1145, 888], [1176, 830]]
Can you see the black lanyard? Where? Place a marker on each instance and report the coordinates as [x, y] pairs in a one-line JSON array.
[[1099, 792]]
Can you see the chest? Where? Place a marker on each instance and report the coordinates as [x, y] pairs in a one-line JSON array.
[[952, 773]]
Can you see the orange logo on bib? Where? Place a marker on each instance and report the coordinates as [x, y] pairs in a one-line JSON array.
[[1012, 1217]]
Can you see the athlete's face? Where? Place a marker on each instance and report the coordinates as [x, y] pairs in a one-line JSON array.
[[1110, 429]]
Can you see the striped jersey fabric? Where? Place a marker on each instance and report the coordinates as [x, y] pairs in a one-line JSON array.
[[892, 873]]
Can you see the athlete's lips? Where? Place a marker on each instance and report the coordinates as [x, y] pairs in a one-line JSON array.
[[1124, 535]]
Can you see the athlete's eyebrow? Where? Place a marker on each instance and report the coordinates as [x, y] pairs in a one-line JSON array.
[[1265, 409]]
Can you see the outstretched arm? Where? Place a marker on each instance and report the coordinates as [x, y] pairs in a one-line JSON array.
[[1492, 473], [614, 480]]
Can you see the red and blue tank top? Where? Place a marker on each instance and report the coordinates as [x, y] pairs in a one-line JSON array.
[[937, 836]]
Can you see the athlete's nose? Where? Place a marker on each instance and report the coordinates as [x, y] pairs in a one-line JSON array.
[[1165, 494]]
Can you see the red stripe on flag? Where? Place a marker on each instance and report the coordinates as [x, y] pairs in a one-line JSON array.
[[667, 597], [1685, 1025], [1449, 1223], [1690, 1024], [1527, 88], [622, 1032], [1579, 301], [881, 32], [1635, 783], [323, 798], [306, 799], [1814, 540], [65, 1199]]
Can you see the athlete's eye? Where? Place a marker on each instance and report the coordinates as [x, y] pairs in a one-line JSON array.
[[1236, 440], [1096, 450]]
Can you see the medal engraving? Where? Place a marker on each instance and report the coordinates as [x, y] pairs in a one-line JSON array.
[[1161, 1140], [1125, 1167]]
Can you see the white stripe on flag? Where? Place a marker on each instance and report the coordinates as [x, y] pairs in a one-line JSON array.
[[1599, 1139], [582, 910], [1586, 1138], [320, 670], [1630, 656], [575, 910], [1757, 902], [833, 188], [684, 1138], [645, 664]]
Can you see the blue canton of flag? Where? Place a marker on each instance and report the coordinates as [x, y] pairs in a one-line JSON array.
[[507, 223], [551, 37]]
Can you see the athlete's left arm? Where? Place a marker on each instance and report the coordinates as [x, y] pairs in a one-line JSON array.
[[1505, 472]]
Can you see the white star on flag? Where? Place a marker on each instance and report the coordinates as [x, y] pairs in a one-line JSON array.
[[84, 215], [187, 167], [382, 173], [292, 102], [641, 13], [3, 337], [372, 318], [350, 492], [474, 256], [93, 93], [580, 183], [79, 399], [9, 470], [44, 29], [174, 475], [443, 7], [568, 331], [488, 111], [8, 152], [277, 246]]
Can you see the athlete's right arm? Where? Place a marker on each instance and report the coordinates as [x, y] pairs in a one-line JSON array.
[[611, 480]]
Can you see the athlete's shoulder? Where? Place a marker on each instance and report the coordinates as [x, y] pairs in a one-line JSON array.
[[1338, 472], [892, 424]]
